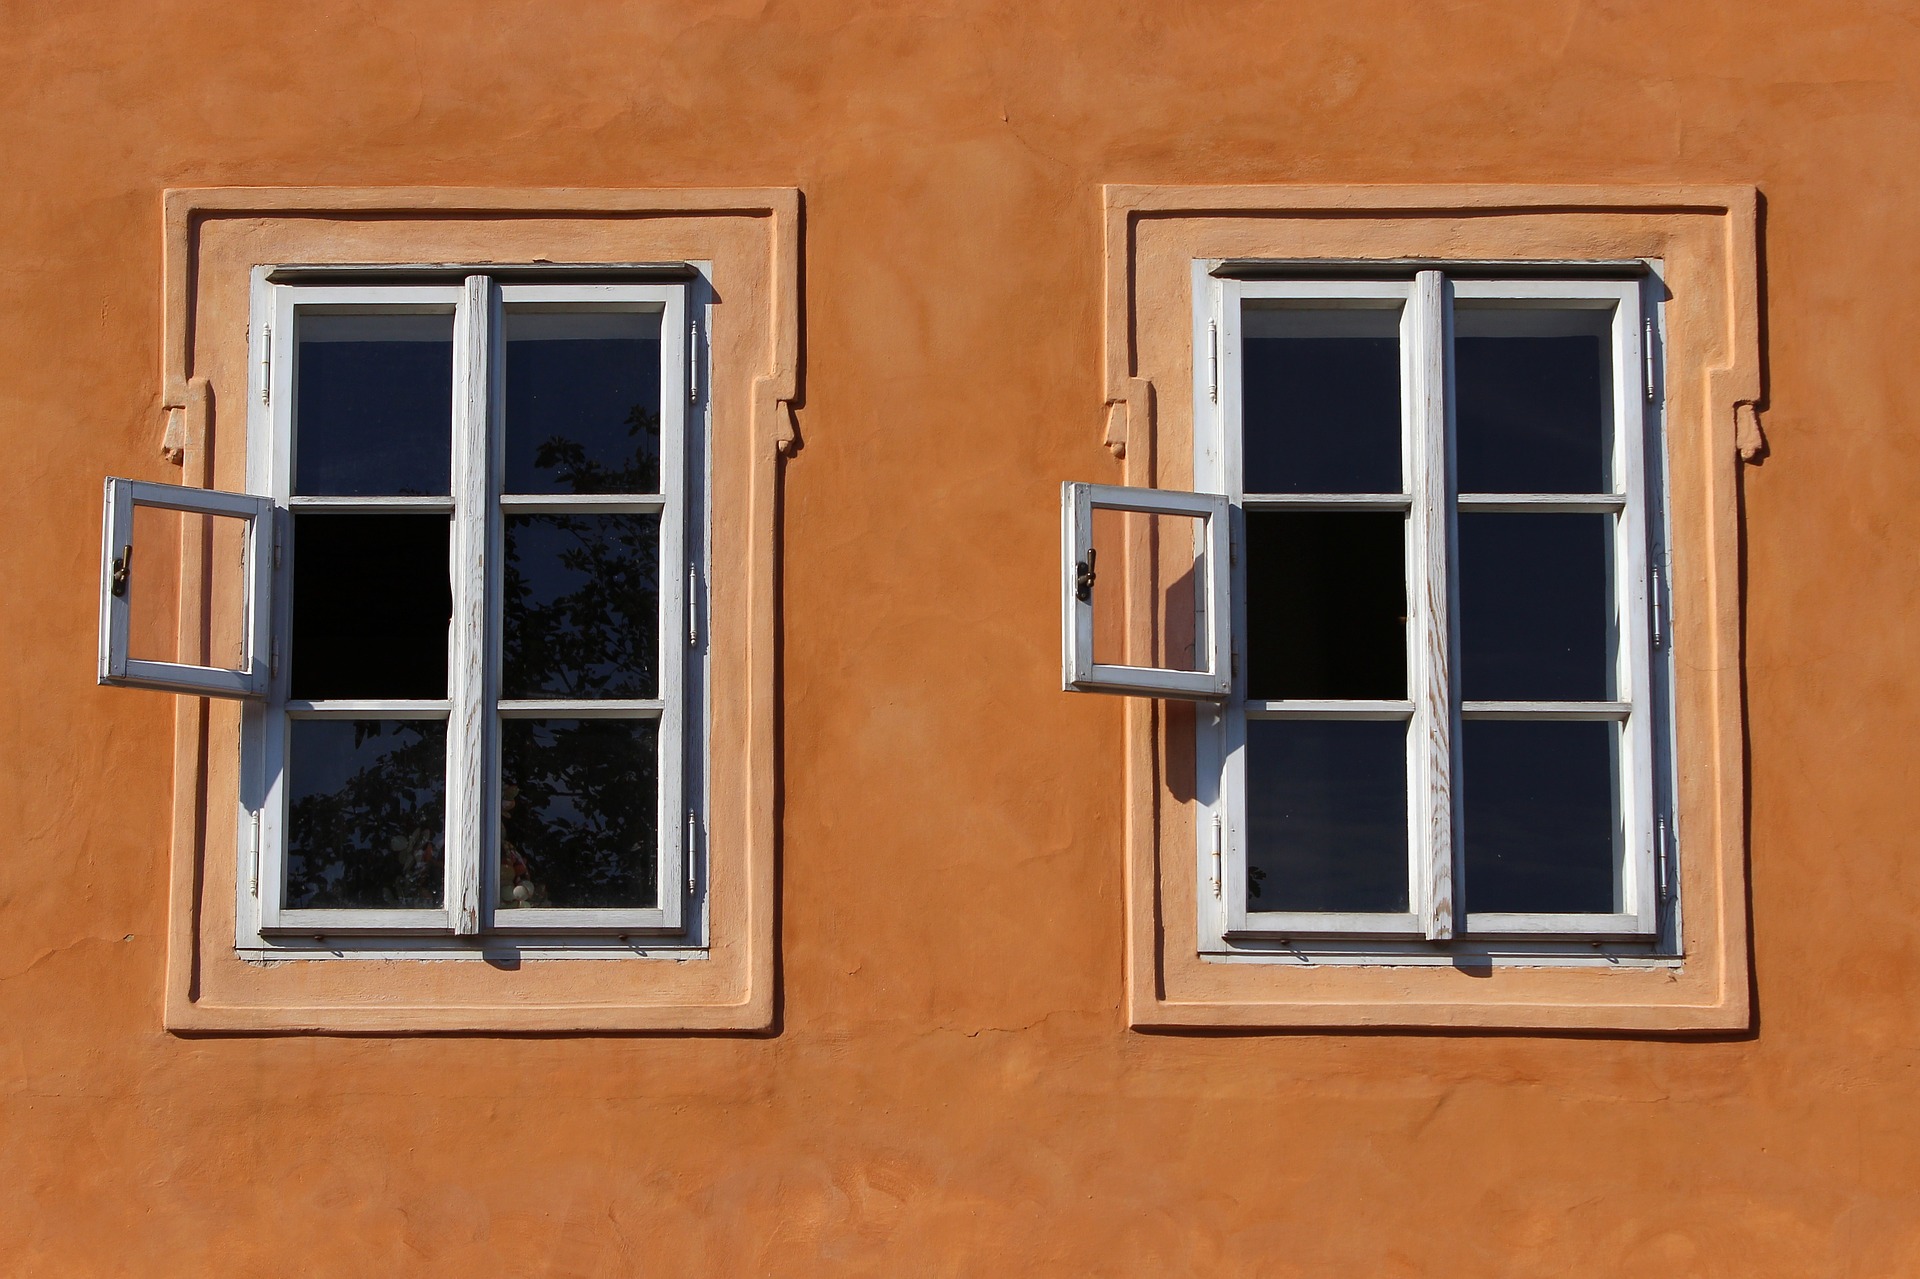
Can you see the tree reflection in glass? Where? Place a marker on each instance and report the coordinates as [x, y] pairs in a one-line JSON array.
[[366, 825], [578, 812]]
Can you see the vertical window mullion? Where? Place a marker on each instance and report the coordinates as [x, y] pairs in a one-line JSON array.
[[467, 725], [1430, 776]]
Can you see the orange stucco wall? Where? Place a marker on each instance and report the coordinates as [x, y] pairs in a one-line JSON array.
[[951, 1087]]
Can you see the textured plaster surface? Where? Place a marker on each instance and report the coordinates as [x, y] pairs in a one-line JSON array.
[[952, 1088]]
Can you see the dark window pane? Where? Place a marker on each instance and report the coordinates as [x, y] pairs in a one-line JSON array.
[[1533, 392], [582, 606], [1326, 815], [366, 820], [371, 604], [1536, 607], [374, 413], [1541, 830], [583, 402], [1326, 604], [1320, 391], [578, 812]]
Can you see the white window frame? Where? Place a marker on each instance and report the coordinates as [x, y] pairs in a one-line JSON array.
[[1436, 922], [473, 706], [118, 565], [1080, 587]]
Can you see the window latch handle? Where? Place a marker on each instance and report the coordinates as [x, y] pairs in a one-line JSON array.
[[1083, 576], [122, 563]]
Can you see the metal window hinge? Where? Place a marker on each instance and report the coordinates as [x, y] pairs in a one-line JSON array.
[[1659, 619], [266, 363], [253, 842], [1662, 856], [693, 607], [1218, 840], [1213, 361], [276, 544], [1646, 354], [693, 837], [693, 362], [273, 659]]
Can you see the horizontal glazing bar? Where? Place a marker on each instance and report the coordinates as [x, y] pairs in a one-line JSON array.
[[1277, 923], [366, 505], [1546, 710], [1543, 502], [1490, 923], [583, 708], [1329, 709], [582, 504], [1320, 501], [370, 708]]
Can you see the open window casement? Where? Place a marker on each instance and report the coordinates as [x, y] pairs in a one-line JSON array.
[[1176, 546], [122, 566]]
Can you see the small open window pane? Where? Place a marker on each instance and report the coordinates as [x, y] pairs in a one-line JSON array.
[[1320, 393], [1533, 399], [1326, 604], [1326, 815], [579, 813], [582, 401], [1541, 816], [374, 410], [581, 606], [216, 635], [371, 603], [1174, 544], [1536, 601], [366, 821]]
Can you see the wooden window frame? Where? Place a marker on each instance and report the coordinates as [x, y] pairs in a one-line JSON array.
[[1082, 673], [117, 569], [1434, 710], [473, 706]]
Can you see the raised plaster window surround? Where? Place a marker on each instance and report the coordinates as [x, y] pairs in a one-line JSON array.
[[1473, 756], [488, 704]]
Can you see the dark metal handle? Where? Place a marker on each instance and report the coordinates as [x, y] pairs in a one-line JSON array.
[[121, 563], [1083, 576]]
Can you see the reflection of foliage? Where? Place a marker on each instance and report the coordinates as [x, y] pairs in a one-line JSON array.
[[1255, 877], [578, 796], [578, 812], [376, 840], [599, 639], [575, 472]]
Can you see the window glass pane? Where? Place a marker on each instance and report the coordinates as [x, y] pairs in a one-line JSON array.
[[1536, 607], [1320, 392], [1326, 815], [1326, 604], [365, 818], [1541, 823], [1175, 545], [1533, 392], [581, 606], [578, 812], [583, 401], [371, 604], [374, 410]]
